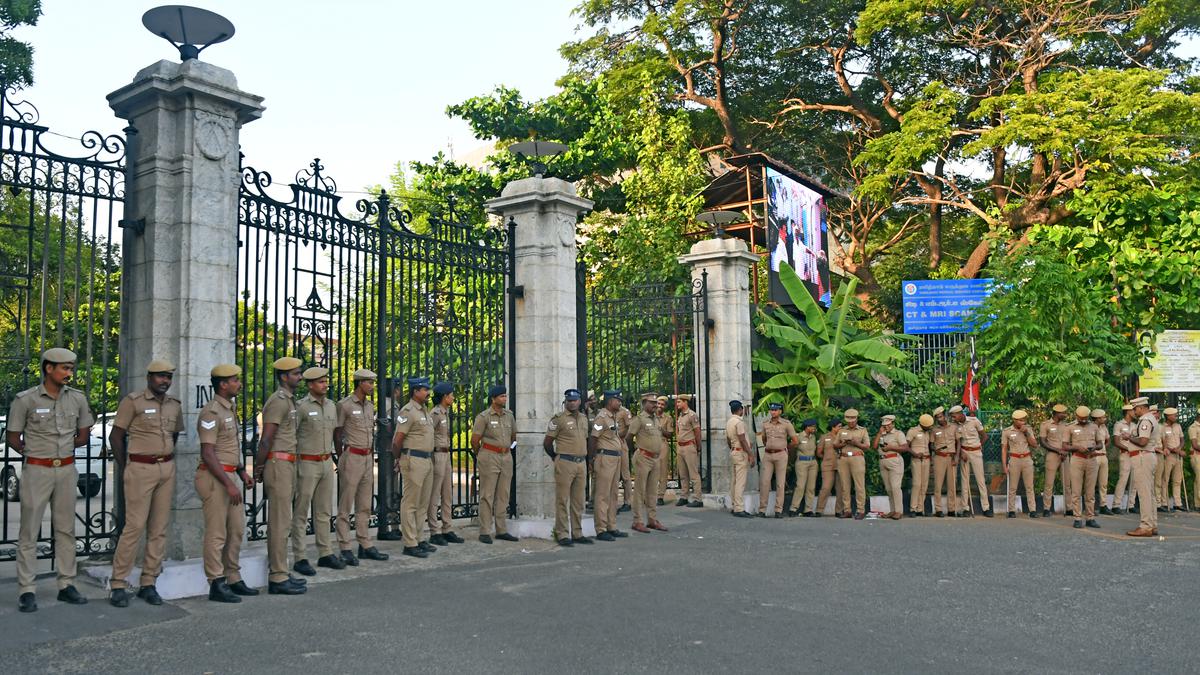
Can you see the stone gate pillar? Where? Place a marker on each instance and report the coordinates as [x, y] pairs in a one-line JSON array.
[[727, 262], [180, 245], [545, 211]]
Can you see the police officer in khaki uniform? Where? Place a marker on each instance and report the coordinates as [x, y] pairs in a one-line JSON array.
[[970, 456], [143, 439], [805, 468], [829, 461], [687, 452], [778, 436], [1121, 432], [1053, 436], [891, 443], [354, 441], [1100, 419], [493, 439], [441, 530], [412, 445], [648, 444], [316, 478], [1016, 454], [45, 425], [605, 443], [919, 451], [275, 466], [1160, 461], [624, 418], [851, 442], [667, 426], [741, 455], [566, 443], [945, 460], [1142, 459], [220, 496], [1194, 442], [1173, 451], [1084, 439]]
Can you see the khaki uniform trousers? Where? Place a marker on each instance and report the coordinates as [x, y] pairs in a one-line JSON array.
[[1055, 462], [973, 462], [891, 470], [1021, 469], [280, 480], [626, 478], [43, 486], [1102, 479], [1160, 479], [606, 469], [919, 469], [853, 468], [441, 495], [1173, 478], [944, 474], [687, 465], [414, 500], [645, 510], [806, 485], [569, 477], [1142, 468], [774, 464], [741, 466], [828, 479], [1083, 479], [664, 470], [1124, 468], [354, 496], [224, 527], [314, 489], [495, 483], [1196, 476], [149, 489]]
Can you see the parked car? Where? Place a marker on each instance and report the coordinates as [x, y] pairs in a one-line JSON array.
[[89, 463]]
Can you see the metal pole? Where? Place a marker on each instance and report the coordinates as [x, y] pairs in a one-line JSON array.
[[707, 383], [383, 393], [510, 330]]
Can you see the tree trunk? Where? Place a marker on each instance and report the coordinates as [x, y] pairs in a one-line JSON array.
[[976, 261]]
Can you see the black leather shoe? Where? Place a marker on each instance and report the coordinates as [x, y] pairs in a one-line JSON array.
[[219, 591], [989, 513], [240, 588], [71, 596], [1068, 514], [506, 537], [452, 538], [1078, 525], [565, 542], [760, 514], [1105, 511], [682, 501], [1123, 512], [391, 536], [618, 534], [816, 514], [792, 514], [778, 515], [624, 508], [415, 552], [331, 561], [426, 546], [371, 553], [1093, 523], [1012, 514], [437, 540], [150, 595], [349, 559], [661, 502], [1045, 513], [118, 598], [305, 568], [27, 603], [605, 536], [1033, 514], [939, 514], [581, 540], [288, 587], [485, 538], [695, 504], [1184, 509], [299, 581], [1162, 509]]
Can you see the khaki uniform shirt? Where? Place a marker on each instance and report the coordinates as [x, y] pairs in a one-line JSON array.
[[150, 425], [606, 431], [218, 425], [970, 433], [1016, 440], [1147, 427], [1172, 436], [777, 433], [687, 428], [807, 447], [414, 422], [1084, 435], [1102, 431], [280, 409], [1156, 437], [496, 428], [893, 437], [1194, 435], [858, 434], [49, 424], [828, 452], [570, 433], [1054, 434], [945, 438], [1120, 428], [624, 417], [317, 422], [918, 441], [734, 429], [357, 422], [440, 416], [646, 433]]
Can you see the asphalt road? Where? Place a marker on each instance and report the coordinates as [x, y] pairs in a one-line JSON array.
[[714, 595]]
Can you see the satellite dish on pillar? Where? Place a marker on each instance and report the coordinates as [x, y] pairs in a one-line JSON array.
[[718, 219], [190, 29], [535, 150]]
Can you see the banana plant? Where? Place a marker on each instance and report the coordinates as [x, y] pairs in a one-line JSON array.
[[821, 359]]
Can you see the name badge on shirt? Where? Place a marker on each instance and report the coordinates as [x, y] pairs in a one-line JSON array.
[[313, 413], [494, 423], [150, 411], [356, 412], [42, 411]]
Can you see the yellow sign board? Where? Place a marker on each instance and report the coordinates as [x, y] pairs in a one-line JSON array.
[[1176, 365]]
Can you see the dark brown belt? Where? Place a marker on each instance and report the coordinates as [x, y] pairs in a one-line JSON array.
[[939, 453], [52, 463], [772, 452], [965, 449], [647, 453], [1135, 453], [441, 449], [151, 459]]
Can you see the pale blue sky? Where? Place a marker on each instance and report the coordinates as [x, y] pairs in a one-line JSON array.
[[359, 83]]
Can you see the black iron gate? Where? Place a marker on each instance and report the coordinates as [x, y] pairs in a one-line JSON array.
[[375, 290], [60, 277], [644, 339]]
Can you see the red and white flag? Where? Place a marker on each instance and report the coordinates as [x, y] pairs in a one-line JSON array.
[[970, 397]]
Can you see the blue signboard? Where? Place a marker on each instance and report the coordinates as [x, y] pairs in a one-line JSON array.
[[942, 305]]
